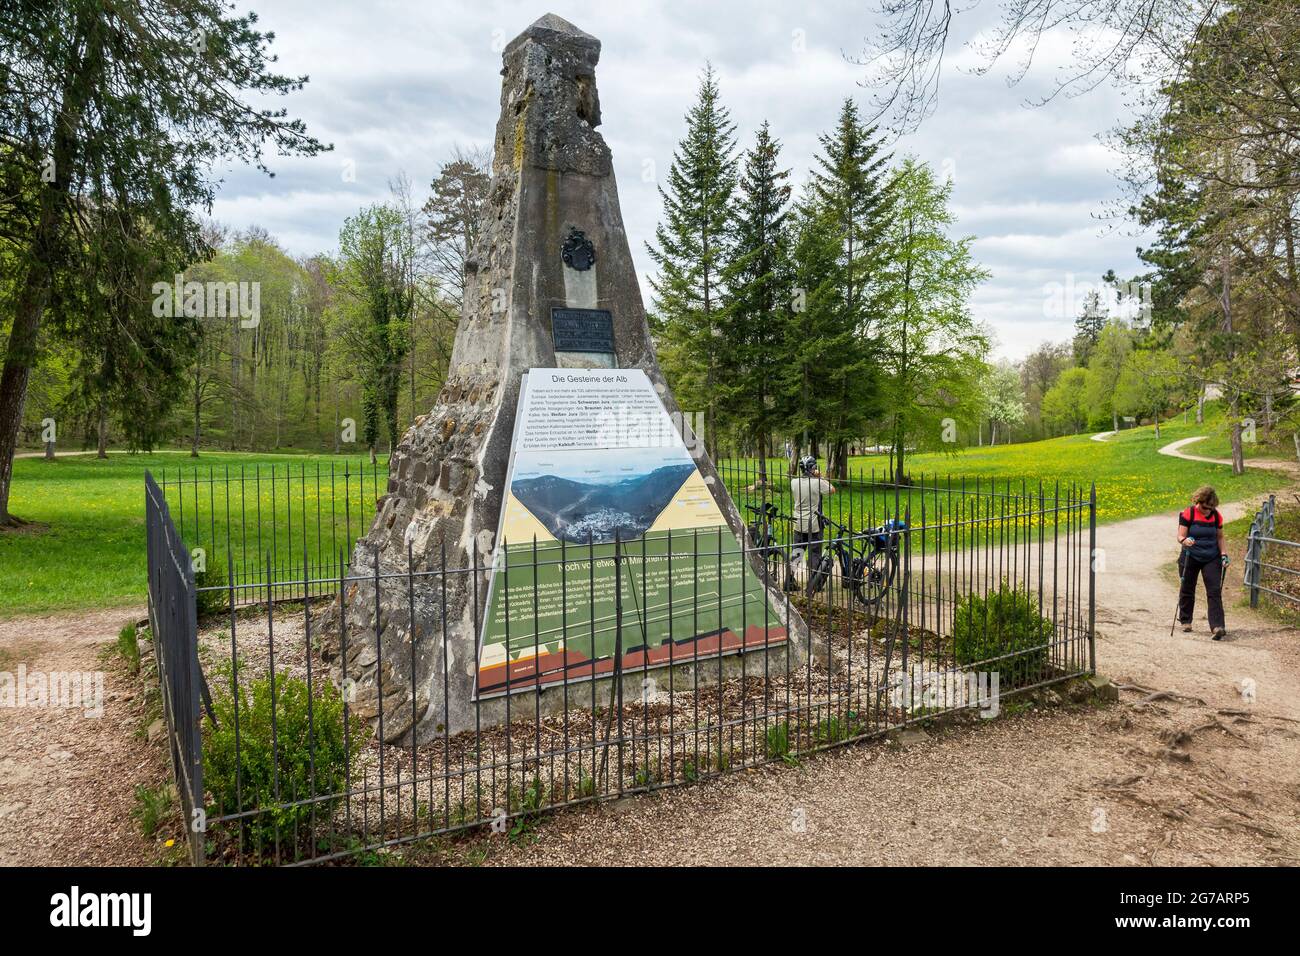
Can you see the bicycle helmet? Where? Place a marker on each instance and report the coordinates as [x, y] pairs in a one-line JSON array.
[[807, 465]]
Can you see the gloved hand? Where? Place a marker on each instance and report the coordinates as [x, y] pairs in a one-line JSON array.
[[1225, 560]]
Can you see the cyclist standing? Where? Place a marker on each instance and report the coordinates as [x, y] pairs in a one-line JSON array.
[[1200, 532], [808, 488]]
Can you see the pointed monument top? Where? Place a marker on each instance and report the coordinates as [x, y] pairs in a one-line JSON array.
[[558, 25], [551, 27]]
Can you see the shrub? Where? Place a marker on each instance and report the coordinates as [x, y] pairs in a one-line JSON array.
[[304, 771], [208, 603], [1005, 622]]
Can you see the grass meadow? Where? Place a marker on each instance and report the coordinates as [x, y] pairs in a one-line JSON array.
[[86, 549]]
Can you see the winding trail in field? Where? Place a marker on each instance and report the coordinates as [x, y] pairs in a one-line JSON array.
[[1203, 772], [1175, 450], [111, 451]]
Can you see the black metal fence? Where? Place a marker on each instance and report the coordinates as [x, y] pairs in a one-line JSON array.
[[927, 596], [174, 629], [1272, 564], [286, 520]]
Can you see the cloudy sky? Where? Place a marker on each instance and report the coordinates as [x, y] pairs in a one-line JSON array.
[[396, 84]]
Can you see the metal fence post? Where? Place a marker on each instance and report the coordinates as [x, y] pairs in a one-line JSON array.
[[1092, 580]]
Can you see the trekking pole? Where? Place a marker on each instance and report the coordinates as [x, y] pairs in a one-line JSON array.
[[1182, 573]]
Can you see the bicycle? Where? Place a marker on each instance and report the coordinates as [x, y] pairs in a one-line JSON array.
[[869, 568], [763, 534]]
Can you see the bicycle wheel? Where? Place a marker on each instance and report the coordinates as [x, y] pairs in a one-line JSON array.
[[817, 577], [774, 567], [875, 581]]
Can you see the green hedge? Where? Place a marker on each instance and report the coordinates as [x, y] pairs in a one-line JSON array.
[[304, 771], [1007, 621]]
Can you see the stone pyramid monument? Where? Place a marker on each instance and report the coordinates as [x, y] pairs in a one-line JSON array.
[[552, 238]]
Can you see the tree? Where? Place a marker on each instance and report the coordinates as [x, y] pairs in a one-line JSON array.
[[373, 278], [757, 281], [1088, 326], [829, 388], [1212, 163], [125, 106], [1040, 370], [452, 216], [693, 249], [932, 351], [1004, 402], [1148, 383], [1113, 346], [851, 185], [1115, 40], [1065, 405]]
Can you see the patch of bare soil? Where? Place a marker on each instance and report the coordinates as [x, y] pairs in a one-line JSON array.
[[67, 776]]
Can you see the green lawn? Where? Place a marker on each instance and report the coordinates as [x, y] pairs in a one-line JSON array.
[[87, 548], [1132, 478]]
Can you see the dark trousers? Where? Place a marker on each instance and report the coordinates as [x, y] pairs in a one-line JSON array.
[[812, 540], [1212, 572]]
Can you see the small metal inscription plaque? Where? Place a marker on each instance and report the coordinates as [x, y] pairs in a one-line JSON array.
[[582, 330]]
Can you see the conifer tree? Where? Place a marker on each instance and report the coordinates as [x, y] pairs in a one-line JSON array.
[[852, 186], [828, 386], [757, 299], [693, 248]]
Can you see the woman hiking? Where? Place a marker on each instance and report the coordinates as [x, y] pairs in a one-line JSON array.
[[1200, 533]]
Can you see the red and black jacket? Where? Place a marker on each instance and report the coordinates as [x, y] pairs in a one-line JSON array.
[[1205, 529]]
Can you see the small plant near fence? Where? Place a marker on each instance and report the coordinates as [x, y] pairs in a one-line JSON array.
[[1003, 627], [277, 743]]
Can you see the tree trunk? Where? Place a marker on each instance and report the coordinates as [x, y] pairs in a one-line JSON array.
[[101, 438], [1200, 406], [33, 293], [198, 408], [1238, 456], [19, 357]]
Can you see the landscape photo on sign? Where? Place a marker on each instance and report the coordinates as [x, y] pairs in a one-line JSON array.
[[611, 543]]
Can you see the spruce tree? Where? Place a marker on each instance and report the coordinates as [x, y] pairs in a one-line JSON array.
[[758, 292], [852, 186], [828, 381], [693, 248]]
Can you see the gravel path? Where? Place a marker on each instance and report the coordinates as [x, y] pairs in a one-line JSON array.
[[67, 780]]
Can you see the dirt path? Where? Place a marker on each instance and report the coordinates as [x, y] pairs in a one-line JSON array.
[[67, 776], [1175, 450], [1206, 777]]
